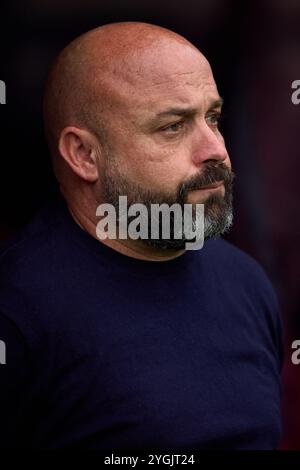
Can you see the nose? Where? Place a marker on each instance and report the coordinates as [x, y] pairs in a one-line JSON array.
[[209, 145]]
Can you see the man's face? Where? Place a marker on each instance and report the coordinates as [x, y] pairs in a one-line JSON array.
[[162, 138]]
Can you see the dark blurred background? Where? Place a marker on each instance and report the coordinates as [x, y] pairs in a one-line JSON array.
[[254, 50]]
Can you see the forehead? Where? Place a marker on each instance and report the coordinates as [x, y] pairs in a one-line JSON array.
[[161, 76], [162, 61]]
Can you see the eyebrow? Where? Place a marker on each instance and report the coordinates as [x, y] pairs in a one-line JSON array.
[[180, 111]]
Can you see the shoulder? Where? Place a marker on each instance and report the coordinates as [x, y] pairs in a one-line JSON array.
[[238, 265], [35, 240], [31, 271], [237, 269]]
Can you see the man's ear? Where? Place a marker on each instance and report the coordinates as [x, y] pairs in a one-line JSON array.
[[77, 147]]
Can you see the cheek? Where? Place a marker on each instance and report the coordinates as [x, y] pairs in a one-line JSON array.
[[162, 169], [150, 163], [155, 165]]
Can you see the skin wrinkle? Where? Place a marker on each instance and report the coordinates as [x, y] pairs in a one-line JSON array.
[[101, 91]]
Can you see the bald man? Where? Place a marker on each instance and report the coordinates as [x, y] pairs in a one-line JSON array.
[[136, 342]]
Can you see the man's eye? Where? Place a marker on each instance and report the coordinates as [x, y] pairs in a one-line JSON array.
[[173, 128], [214, 119]]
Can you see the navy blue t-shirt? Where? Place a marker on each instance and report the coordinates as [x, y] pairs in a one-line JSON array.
[[104, 351]]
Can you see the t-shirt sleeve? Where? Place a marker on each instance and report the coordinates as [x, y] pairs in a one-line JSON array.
[[14, 375]]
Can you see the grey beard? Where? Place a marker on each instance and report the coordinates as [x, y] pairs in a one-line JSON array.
[[218, 212], [215, 225]]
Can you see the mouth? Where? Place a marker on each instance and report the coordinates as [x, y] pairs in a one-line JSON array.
[[197, 194]]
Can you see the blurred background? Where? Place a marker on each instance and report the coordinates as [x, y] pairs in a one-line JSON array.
[[254, 49]]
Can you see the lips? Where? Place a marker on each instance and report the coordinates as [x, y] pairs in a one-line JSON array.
[[213, 185]]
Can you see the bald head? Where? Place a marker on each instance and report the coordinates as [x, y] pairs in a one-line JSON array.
[[92, 72]]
